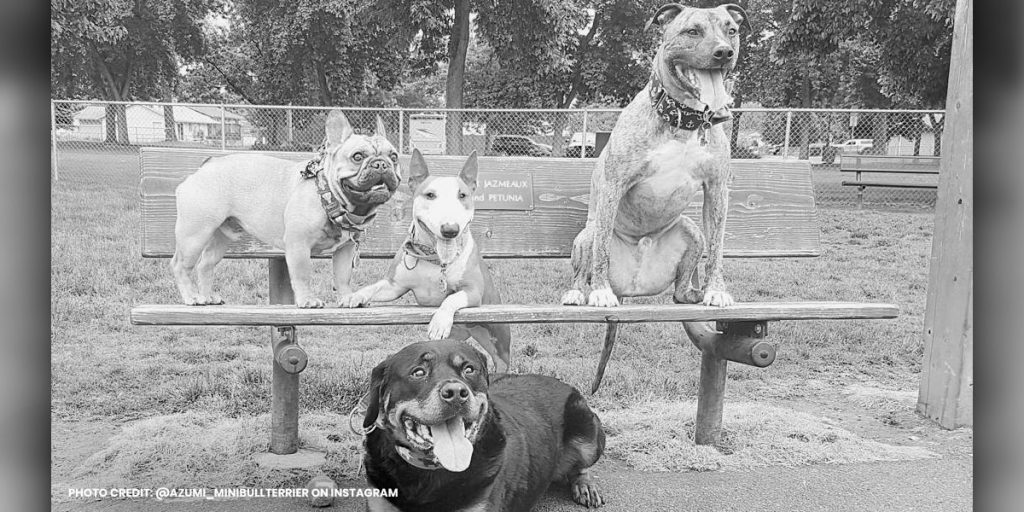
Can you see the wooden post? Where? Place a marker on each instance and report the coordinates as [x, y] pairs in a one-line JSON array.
[[947, 381], [284, 388]]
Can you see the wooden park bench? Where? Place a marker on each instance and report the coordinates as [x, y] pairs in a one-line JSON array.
[[892, 166], [771, 214]]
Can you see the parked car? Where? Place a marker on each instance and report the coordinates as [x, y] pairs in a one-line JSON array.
[[745, 152], [854, 145], [518, 145], [576, 144]]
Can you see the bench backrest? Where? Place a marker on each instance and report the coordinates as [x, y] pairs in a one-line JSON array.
[[526, 207], [891, 164]]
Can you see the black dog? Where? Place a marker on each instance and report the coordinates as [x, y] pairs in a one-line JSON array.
[[450, 438]]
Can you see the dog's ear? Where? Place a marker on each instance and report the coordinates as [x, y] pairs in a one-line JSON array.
[[468, 172], [739, 16], [417, 170], [372, 398], [380, 131], [664, 15], [338, 128]]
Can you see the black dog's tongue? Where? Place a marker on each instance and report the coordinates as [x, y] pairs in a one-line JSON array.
[[451, 447]]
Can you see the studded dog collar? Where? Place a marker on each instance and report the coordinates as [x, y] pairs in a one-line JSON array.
[[337, 212], [678, 115]]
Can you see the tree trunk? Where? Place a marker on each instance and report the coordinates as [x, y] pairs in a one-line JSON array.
[[170, 132], [937, 126], [805, 119], [458, 45], [121, 111], [321, 82], [880, 134], [558, 122], [111, 123]]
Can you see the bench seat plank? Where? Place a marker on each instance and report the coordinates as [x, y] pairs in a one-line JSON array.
[[890, 164], [889, 184], [506, 313], [772, 211]]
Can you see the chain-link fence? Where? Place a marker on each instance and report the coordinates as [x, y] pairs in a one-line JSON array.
[[97, 142]]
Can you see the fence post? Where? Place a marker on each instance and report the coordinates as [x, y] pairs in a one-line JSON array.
[[401, 130], [291, 134], [53, 141], [223, 130], [583, 143], [789, 125]]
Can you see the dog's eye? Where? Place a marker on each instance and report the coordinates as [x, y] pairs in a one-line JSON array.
[[394, 157], [358, 157], [733, 31], [419, 373], [693, 32], [469, 370], [430, 195], [462, 195]]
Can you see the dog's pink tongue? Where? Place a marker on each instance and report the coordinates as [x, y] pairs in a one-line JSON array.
[[451, 447], [711, 83]]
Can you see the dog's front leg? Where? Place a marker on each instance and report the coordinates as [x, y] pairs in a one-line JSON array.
[[300, 269], [343, 261], [716, 205], [610, 189], [382, 291], [441, 323]]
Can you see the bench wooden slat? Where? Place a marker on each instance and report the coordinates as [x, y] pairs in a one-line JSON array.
[[890, 164], [772, 211], [889, 184], [507, 313]]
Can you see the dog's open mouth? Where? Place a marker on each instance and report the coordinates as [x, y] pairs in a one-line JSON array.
[[709, 82], [451, 440], [375, 194]]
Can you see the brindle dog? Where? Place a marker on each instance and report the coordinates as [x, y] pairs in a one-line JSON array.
[[667, 144]]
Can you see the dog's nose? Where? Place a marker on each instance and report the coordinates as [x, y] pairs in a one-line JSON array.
[[454, 392], [723, 52], [378, 164], [449, 230]]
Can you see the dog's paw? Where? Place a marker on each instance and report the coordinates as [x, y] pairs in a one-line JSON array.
[[603, 298], [312, 303], [353, 300], [720, 298], [440, 325], [203, 300], [586, 493], [690, 296], [573, 298]]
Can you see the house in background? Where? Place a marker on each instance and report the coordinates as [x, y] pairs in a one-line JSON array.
[[146, 124]]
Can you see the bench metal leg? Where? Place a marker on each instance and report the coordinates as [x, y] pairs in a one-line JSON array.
[[741, 342], [289, 360], [710, 399]]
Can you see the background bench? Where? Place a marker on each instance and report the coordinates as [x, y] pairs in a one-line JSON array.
[[887, 167], [771, 214]]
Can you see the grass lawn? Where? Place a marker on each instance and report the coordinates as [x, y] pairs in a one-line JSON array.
[[108, 372]]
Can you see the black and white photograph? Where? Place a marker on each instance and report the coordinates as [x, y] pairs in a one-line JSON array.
[[512, 255]]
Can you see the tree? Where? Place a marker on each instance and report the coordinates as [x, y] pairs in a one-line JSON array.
[[122, 50]]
